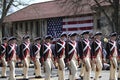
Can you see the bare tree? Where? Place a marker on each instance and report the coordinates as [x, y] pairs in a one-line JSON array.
[[96, 5], [5, 6]]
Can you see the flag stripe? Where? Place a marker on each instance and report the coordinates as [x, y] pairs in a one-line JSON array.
[[78, 25], [75, 29], [77, 22], [78, 19]]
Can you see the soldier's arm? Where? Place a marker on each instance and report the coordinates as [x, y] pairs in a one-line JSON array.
[[107, 50], [41, 54], [93, 50], [66, 53], [80, 46], [0, 51]]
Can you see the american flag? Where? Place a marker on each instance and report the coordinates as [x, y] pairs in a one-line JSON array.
[[78, 24], [55, 26]]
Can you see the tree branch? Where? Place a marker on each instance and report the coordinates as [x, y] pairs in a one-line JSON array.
[[108, 18]]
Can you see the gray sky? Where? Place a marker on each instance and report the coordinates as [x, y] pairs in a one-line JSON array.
[[13, 9]]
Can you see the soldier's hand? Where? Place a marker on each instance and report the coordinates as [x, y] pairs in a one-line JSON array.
[[104, 60], [94, 61], [68, 63]]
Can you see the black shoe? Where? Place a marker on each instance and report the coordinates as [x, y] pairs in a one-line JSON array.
[[91, 77], [33, 73], [100, 76], [38, 76], [81, 77], [118, 78], [3, 76], [25, 79]]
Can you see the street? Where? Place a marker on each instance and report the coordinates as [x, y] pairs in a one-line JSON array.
[[105, 74]]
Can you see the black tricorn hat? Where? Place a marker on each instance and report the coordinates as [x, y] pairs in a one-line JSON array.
[[85, 32], [98, 33], [73, 34], [37, 38], [4, 38], [26, 37], [63, 34], [113, 34], [48, 37], [12, 38]]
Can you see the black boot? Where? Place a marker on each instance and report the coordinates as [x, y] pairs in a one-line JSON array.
[[118, 78]]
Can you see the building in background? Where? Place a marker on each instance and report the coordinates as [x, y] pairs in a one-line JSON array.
[[50, 18]]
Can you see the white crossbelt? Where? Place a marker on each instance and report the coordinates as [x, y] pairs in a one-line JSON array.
[[99, 45], [38, 49], [114, 45], [74, 48], [3, 48], [26, 46], [62, 46], [12, 48], [48, 48], [87, 45]]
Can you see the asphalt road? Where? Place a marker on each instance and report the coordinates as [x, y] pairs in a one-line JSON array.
[[105, 74]]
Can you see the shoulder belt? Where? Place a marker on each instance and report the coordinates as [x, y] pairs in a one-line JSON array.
[[3, 48], [62, 46], [99, 45], [48, 48], [26, 46], [87, 45], [74, 48]]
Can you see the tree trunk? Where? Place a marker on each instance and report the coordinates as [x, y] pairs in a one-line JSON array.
[[115, 15]]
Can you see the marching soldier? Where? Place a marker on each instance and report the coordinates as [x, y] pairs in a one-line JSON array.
[[118, 44], [25, 55], [35, 56], [111, 49], [71, 56], [46, 56], [84, 51], [97, 54], [2, 57], [11, 56], [60, 52]]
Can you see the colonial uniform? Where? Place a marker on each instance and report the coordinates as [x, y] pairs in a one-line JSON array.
[[2, 58], [71, 57], [25, 56], [46, 57], [111, 49], [97, 56], [11, 57], [60, 52], [118, 46], [35, 56], [85, 54]]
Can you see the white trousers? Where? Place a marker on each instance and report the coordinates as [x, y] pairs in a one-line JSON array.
[[26, 63], [87, 69], [119, 70], [82, 69], [12, 70], [73, 69], [113, 69], [37, 67], [98, 68], [48, 66], [4, 67], [61, 69]]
